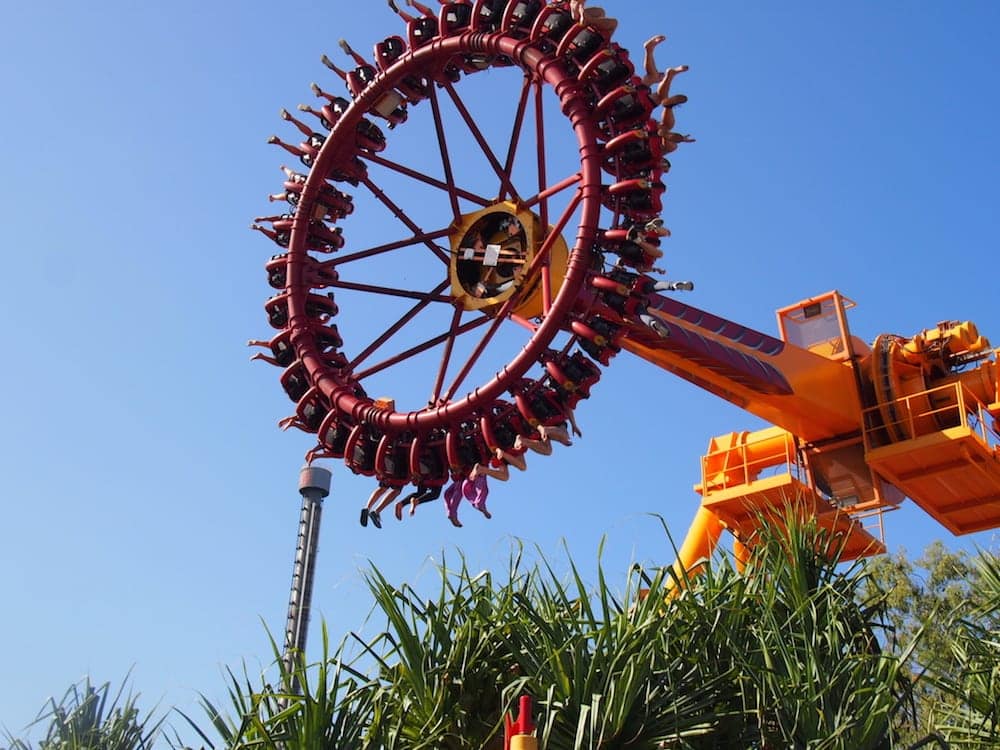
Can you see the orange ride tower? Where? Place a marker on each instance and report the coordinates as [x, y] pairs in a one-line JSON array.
[[857, 428]]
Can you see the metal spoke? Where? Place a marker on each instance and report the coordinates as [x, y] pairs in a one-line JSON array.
[[446, 357], [480, 347], [395, 327], [524, 322], [406, 220], [454, 192], [445, 158], [389, 291], [505, 183], [546, 246], [554, 189], [415, 240], [515, 135], [420, 348], [543, 204]]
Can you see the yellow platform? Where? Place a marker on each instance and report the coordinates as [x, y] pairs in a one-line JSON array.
[[953, 474], [740, 507]]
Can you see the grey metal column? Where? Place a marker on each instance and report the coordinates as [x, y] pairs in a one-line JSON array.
[[314, 485]]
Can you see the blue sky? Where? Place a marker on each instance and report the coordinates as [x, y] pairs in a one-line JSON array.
[[149, 503]]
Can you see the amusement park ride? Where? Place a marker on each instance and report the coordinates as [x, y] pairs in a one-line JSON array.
[[856, 428]]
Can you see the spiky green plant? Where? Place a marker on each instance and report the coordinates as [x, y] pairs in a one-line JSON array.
[[89, 717], [784, 654], [812, 669], [331, 707]]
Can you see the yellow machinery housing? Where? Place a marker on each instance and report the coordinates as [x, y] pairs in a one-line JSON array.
[[856, 428]]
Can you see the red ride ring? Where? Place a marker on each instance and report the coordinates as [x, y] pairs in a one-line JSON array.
[[340, 147]]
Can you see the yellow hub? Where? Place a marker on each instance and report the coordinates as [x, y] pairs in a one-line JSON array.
[[492, 251]]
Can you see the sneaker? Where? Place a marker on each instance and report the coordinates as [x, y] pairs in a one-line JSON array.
[[364, 516], [683, 286], [376, 519], [656, 325]]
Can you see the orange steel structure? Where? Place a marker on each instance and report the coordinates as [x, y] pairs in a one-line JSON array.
[[857, 428]]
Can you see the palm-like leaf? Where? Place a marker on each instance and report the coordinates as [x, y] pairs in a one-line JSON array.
[[90, 717]]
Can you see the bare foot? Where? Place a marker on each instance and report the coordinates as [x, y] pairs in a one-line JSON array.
[[654, 41]]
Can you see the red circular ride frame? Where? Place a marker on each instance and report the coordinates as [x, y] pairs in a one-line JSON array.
[[340, 146]]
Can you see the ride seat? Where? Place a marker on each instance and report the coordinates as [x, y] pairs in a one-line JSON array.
[[295, 380]]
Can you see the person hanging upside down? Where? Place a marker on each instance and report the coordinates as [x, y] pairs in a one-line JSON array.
[[593, 17], [422, 495], [659, 84], [424, 10], [452, 499], [476, 490], [498, 465], [372, 511], [548, 433]]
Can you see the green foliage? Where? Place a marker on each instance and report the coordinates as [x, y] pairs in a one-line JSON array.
[[327, 705], [92, 718], [971, 719], [784, 654], [811, 669], [953, 599], [794, 651]]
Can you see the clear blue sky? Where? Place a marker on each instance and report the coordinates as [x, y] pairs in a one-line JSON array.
[[149, 503]]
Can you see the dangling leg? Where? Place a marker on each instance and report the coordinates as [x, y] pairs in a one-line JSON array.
[[653, 74], [387, 500], [559, 434], [321, 93], [597, 19], [452, 498], [422, 8], [272, 219], [673, 286], [264, 358], [294, 150], [314, 112], [358, 59], [514, 459], [480, 491], [541, 446], [424, 496], [667, 120], [406, 17], [303, 128], [367, 506], [269, 233], [663, 90], [329, 63], [655, 324], [571, 416]]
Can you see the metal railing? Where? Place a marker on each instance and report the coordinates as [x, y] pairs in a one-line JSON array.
[[930, 411]]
